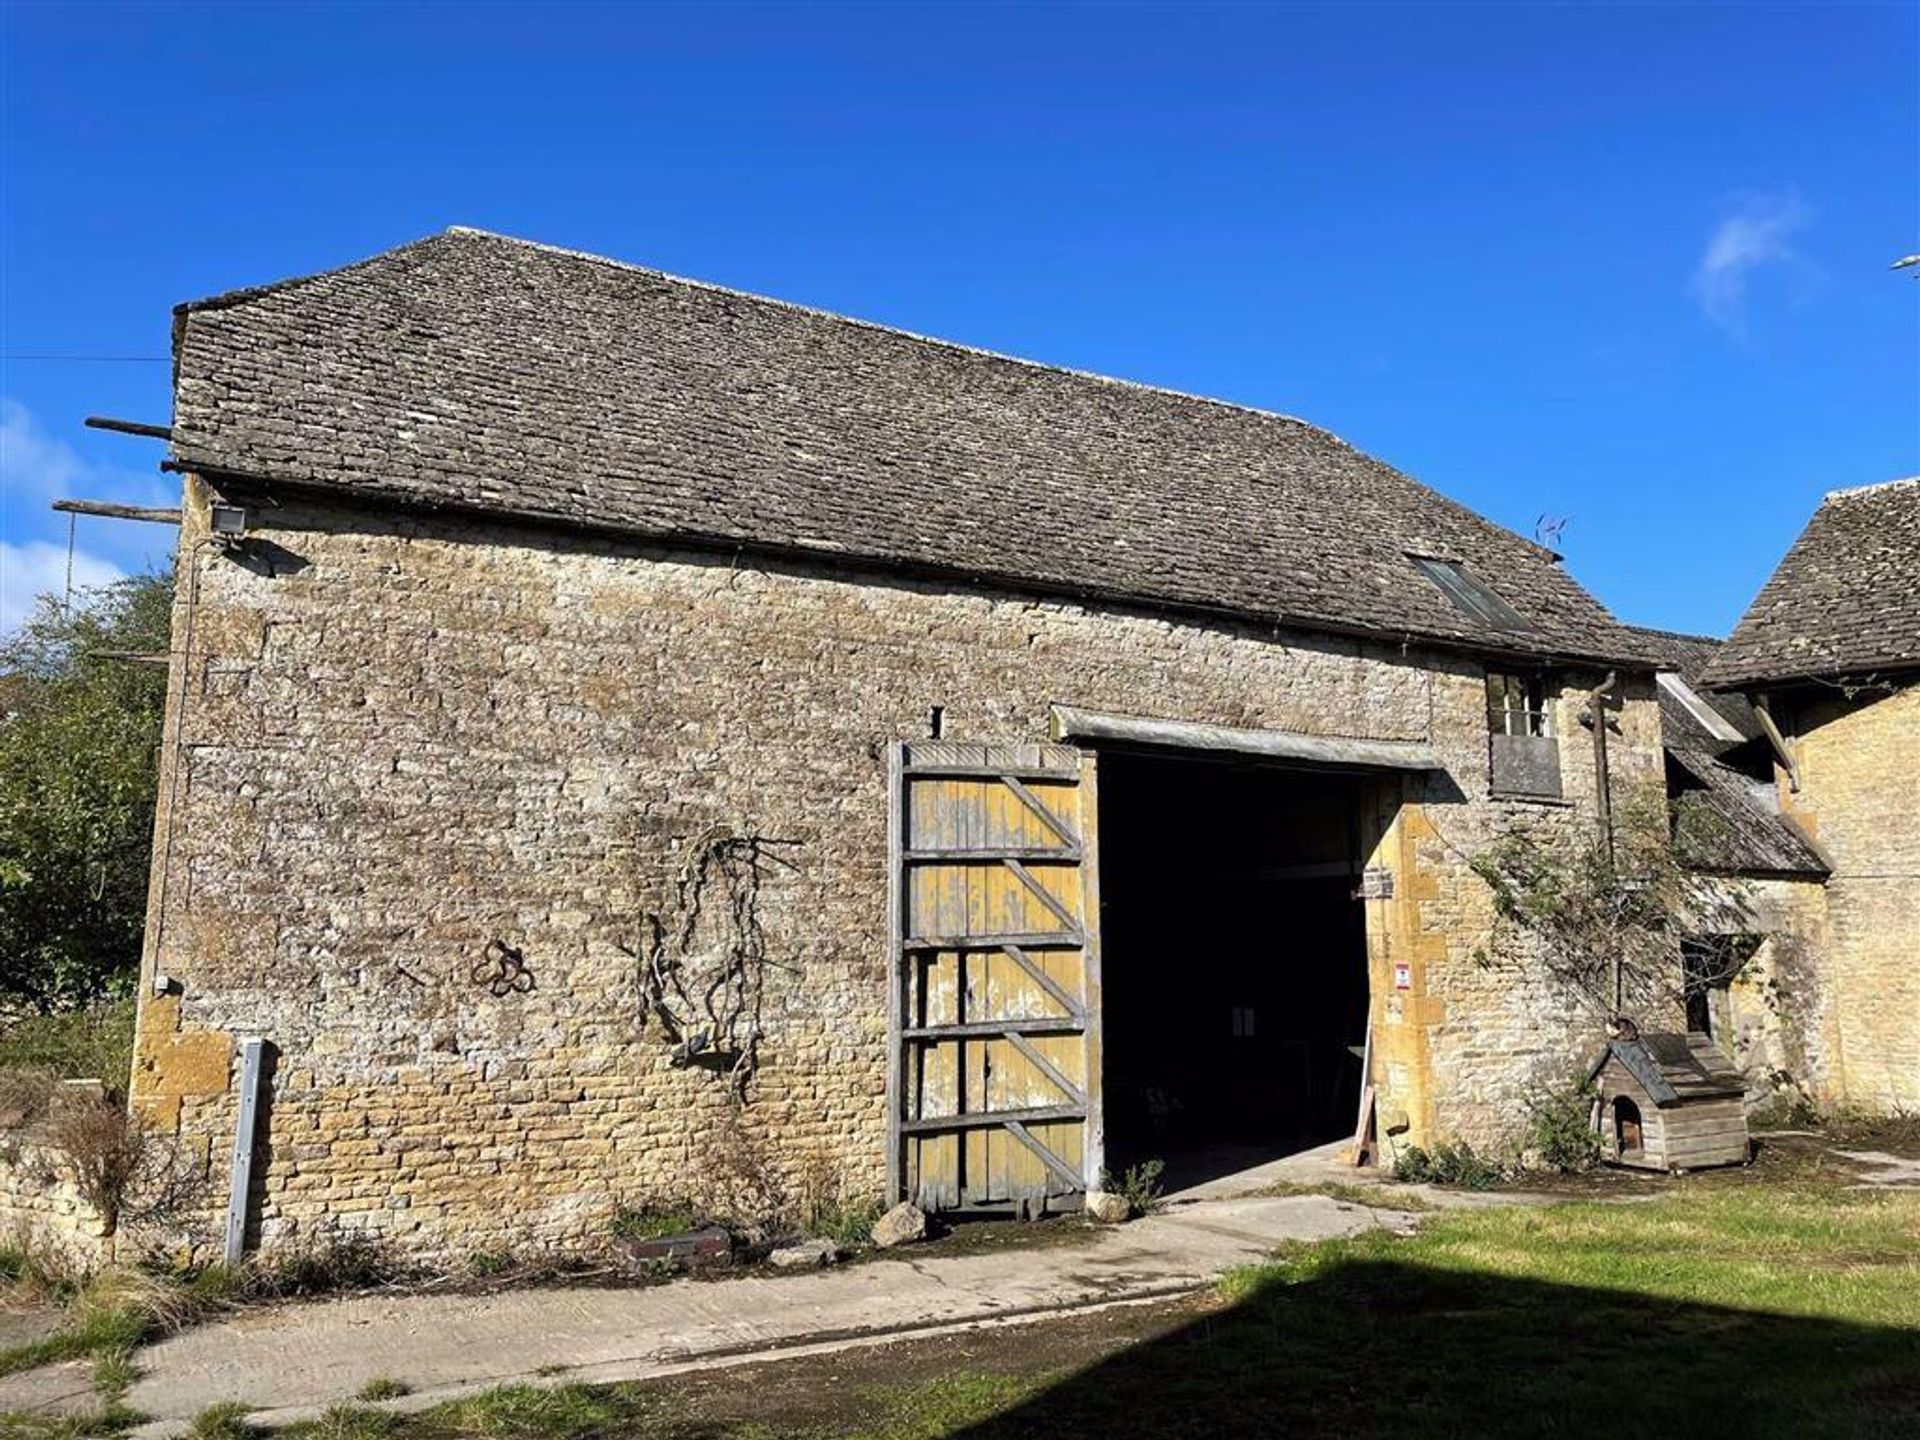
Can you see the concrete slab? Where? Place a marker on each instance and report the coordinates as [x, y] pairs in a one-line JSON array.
[[292, 1361], [1897, 1171], [1331, 1165]]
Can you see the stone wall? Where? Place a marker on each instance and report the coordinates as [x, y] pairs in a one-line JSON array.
[[397, 739], [1858, 757], [1776, 1017], [41, 1210]]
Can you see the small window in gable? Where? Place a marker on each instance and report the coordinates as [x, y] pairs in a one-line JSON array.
[[1469, 596]]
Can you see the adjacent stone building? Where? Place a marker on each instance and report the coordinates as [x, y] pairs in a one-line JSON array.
[[1829, 656], [1753, 964], [632, 741]]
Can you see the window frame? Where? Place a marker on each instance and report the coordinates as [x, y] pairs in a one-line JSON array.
[[1468, 593]]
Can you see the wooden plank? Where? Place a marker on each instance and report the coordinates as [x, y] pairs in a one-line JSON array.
[[938, 1124], [157, 515], [1061, 1170], [993, 1029], [1040, 892], [897, 974], [1034, 972], [983, 772], [1093, 1135], [1055, 941], [1038, 807], [960, 855], [1073, 1093]]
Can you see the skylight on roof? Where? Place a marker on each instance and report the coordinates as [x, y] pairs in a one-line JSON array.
[[1469, 596]]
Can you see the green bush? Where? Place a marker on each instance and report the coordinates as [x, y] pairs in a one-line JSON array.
[[1451, 1162], [95, 1043], [78, 778], [1561, 1131]]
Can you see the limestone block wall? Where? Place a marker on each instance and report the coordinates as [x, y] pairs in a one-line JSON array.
[[1859, 764], [1778, 1010], [41, 1209], [398, 738]]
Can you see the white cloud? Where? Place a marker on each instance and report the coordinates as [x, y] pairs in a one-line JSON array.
[[40, 567], [1756, 234], [36, 466]]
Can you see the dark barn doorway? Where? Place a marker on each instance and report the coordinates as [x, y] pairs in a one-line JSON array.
[[1234, 962]]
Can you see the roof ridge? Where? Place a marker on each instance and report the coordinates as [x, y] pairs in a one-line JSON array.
[[1676, 634], [1852, 490]]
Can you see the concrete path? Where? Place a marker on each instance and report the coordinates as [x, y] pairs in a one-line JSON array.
[[1898, 1171], [292, 1361]]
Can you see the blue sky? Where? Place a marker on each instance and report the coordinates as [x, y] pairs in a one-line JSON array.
[[1622, 266]]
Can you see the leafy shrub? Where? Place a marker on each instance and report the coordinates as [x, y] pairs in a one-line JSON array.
[[78, 778], [1451, 1162], [89, 1044], [1561, 1132]]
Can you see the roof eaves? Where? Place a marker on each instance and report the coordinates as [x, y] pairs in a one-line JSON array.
[[186, 459]]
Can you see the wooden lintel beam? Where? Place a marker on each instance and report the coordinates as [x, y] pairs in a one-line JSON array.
[[106, 509]]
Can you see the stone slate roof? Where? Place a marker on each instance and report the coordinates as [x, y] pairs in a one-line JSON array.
[[476, 373], [1728, 821], [1845, 601]]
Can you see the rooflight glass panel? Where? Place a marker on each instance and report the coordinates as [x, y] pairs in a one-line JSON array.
[[1468, 595]]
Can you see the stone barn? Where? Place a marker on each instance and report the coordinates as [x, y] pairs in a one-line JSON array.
[[631, 740], [1828, 657]]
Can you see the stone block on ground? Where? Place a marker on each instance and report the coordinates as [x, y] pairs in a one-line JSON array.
[[805, 1255], [902, 1225], [1107, 1207]]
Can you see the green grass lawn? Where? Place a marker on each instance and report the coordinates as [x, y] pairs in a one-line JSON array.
[[1777, 1301], [1736, 1310]]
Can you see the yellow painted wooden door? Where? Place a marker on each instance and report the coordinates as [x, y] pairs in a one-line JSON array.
[[995, 1065]]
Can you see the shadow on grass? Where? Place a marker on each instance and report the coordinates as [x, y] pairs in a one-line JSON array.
[[1371, 1348]]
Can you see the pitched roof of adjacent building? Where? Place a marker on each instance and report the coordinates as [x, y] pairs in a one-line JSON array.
[[1728, 819], [1844, 601], [482, 374]]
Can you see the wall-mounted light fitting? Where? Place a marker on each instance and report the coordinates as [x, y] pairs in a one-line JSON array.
[[228, 522]]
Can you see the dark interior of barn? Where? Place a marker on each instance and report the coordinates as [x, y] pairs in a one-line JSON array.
[[1234, 971]]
